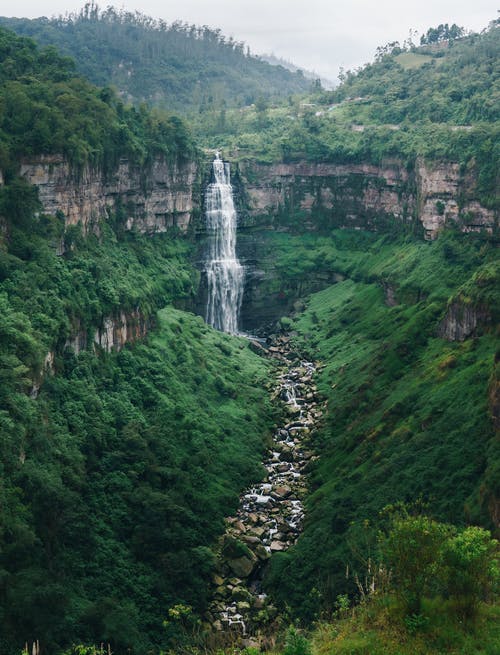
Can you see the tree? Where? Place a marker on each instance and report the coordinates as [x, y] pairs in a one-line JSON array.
[[410, 549], [470, 568], [442, 33]]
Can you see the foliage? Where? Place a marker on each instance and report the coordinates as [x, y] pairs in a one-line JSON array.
[[411, 551], [173, 66], [296, 643], [377, 629], [116, 468], [438, 104], [408, 411], [442, 32], [45, 108]]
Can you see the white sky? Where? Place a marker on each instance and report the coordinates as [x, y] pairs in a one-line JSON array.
[[320, 35]]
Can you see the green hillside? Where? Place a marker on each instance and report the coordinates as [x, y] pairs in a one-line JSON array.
[[119, 464], [441, 103], [117, 469], [173, 66], [408, 416]]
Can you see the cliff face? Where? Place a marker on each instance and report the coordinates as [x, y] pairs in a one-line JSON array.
[[112, 334], [461, 321], [151, 201], [363, 195]]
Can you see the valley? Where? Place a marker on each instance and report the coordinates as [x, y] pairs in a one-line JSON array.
[[249, 396]]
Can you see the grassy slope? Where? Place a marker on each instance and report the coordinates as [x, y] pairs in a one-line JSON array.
[[408, 412], [376, 630]]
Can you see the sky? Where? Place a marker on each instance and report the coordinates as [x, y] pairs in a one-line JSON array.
[[319, 35]]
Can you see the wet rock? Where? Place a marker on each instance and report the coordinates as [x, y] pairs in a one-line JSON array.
[[278, 546], [262, 553], [242, 566], [282, 492], [241, 594], [270, 513]]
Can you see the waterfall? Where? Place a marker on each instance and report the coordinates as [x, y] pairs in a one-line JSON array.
[[225, 274]]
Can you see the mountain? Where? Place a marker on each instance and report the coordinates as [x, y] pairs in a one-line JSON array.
[[175, 66]]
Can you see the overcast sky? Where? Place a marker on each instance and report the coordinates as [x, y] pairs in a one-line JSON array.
[[320, 35]]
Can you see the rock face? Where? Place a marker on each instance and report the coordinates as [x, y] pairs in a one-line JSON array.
[[152, 200], [362, 195], [112, 334], [445, 197], [462, 320]]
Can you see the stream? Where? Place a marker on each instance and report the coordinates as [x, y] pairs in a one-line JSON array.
[[270, 514]]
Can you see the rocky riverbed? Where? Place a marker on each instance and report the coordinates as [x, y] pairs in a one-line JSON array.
[[270, 514]]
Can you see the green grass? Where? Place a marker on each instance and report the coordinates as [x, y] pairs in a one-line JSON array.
[[408, 415], [376, 629], [412, 60]]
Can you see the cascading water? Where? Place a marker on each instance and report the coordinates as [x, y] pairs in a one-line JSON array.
[[225, 274]]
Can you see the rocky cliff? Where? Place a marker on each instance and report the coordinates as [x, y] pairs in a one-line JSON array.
[[152, 200], [363, 195], [112, 334]]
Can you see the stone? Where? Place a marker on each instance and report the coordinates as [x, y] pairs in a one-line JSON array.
[[258, 531], [243, 606], [277, 546], [282, 492], [241, 594], [259, 602], [242, 566], [262, 553]]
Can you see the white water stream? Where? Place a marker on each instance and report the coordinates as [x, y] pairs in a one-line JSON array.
[[225, 274]]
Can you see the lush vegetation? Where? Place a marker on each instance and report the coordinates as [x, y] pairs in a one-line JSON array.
[[115, 479], [456, 569], [408, 414], [45, 107], [174, 66], [439, 102], [117, 469]]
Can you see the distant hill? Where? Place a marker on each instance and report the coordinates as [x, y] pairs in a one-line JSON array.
[[175, 66], [454, 80], [289, 65]]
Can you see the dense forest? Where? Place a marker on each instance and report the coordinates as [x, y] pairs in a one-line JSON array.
[[120, 462], [172, 66]]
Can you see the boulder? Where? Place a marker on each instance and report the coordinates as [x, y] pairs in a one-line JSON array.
[[262, 553], [277, 546], [282, 492], [241, 594], [242, 566]]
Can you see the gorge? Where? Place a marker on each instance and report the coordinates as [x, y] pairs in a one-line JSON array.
[[166, 486]]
